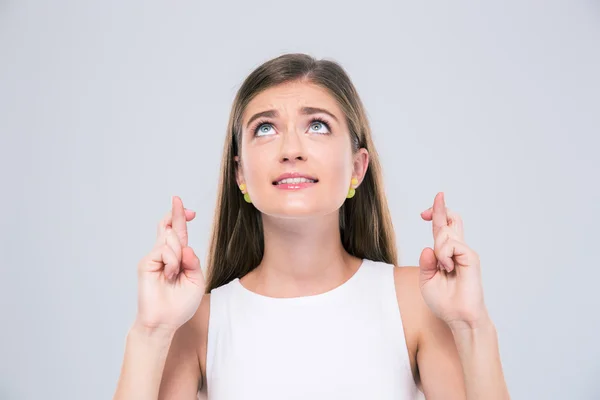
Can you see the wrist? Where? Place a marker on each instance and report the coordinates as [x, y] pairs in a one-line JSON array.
[[479, 321], [472, 332], [155, 332]]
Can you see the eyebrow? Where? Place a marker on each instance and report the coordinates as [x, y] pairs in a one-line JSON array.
[[303, 111]]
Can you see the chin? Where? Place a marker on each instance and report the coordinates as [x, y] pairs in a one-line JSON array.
[[296, 210]]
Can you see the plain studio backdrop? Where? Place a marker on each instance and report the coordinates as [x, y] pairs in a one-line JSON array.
[[108, 108]]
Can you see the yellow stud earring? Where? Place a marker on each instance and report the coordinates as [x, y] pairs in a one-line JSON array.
[[352, 191], [246, 195]]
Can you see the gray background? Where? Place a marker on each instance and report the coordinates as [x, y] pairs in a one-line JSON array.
[[108, 108]]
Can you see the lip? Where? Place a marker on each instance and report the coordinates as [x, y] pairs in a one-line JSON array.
[[289, 175]]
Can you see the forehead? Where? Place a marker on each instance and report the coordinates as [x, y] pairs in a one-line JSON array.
[[289, 96]]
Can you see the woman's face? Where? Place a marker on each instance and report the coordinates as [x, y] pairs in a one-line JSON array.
[[297, 130]]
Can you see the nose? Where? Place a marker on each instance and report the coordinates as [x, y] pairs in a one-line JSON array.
[[292, 148]]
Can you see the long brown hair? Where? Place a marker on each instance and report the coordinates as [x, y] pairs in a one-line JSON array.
[[237, 242]]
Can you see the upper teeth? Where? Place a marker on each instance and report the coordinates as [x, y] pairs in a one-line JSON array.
[[295, 180]]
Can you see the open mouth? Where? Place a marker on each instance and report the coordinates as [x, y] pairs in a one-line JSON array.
[[294, 181]]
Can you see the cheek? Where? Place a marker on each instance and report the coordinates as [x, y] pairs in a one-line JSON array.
[[338, 168], [255, 166]]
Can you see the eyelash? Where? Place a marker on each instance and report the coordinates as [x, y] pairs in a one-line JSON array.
[[312, 121]]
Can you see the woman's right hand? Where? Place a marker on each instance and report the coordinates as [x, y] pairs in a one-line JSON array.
[[170, 281]]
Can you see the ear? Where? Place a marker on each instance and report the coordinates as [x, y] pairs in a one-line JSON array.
[[239, 176], [360, 164]]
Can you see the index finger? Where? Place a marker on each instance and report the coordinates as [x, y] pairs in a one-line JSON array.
[[439, 217], [179, 221]]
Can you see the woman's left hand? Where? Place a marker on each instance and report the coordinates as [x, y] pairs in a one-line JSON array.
[[450, 276]]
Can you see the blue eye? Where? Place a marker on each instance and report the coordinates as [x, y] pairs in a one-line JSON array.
[[261, 131], [319, 124]]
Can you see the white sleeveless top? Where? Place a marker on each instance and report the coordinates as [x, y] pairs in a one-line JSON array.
[[347, 343]]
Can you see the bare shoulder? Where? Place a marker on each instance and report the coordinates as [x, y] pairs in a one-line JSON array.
[[408, 293], [411, 302], [406, 278]]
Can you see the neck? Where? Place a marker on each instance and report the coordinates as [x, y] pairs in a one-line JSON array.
[[301, 257]]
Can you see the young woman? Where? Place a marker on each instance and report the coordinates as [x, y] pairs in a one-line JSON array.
[[303, 298]]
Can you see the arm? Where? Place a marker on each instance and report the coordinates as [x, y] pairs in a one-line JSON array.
[[480, 360], [183, 375], [459, 362], [163, 364], [161, 351], [145, 355], [457, 325], [434, 356]]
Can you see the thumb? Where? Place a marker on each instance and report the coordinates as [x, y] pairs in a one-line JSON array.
[[190, 266], [428, 263]]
